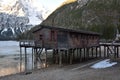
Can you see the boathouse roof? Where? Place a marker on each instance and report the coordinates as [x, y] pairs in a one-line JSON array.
[[67, 30]]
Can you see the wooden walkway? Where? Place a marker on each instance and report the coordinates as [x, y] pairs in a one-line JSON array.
[[104, 50]]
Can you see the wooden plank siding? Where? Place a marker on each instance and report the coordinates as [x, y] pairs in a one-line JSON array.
[[60, 38]]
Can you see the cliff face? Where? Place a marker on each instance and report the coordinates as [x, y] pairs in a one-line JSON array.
[[18, 16], [95, 15]]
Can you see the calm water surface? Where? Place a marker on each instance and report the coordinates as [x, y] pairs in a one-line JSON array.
[[9, 57]]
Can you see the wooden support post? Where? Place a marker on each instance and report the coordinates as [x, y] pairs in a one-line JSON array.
[[35, 58], [84, 53], [92, 52], [80, 54], [45, 58], [100, 51], [96, 52], [87, 53], [66, 57], [107, 51], [104, 51], [73, 53], [77, 53], [20, 59], [32, 58], [25, 59], [56, 56], [60, 58], [54, 53], [117, 51], [71, 56]]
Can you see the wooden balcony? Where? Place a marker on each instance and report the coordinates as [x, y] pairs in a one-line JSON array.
[[27, 43]]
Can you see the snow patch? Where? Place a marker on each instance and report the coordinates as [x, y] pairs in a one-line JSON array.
[[4, 30], [103, 64], [12, 31]]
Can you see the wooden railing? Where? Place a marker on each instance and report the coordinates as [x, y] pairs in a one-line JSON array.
[[27, 43], [32, 43]]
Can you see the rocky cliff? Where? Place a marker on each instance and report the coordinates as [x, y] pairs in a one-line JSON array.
[[18, 16]]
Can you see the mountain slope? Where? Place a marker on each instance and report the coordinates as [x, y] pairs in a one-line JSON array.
[[95, 15], [18, 16]]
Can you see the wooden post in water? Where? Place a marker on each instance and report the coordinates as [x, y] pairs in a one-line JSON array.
[[87, 53], [25, 59], [96, 52], [84, 54], [117, 51], [53, 56], [45, 58], [92, 52], [71, 56], [100, 51], [66, 56], [56, 56], [60, 58], [80, 51], [20, 59], [107, 51], [35, 58], [104, 51], [32, 58]]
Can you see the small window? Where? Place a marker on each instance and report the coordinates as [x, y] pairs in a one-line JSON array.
[[53, 35], [40, 37]]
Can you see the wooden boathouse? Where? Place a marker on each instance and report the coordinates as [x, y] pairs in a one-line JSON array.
[[64, 43]]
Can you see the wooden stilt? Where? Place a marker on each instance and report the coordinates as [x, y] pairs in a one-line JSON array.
[[107, 51], [45, 58], [80, 51], [71, 56], [35, 58], [77, 53], [66, 57], [53, 56], [92, 52], [20, 59], [117, 51], [87, 53], [32, 58], [100, 52], [25, 59], [96, 52], [104, 51], [84, 53], [60, 58], [56, 56]]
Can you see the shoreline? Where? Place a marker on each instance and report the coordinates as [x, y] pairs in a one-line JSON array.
[[67, 73]]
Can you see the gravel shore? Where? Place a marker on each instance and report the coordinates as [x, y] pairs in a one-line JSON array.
[[70, 72]]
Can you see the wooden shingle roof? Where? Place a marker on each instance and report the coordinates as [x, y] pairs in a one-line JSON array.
[[66, 30]]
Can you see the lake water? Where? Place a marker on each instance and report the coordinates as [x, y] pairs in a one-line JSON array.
[[9, 57]]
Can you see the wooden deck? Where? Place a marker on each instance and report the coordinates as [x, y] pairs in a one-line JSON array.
[[103, 50]]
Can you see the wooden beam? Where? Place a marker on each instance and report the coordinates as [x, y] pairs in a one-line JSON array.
[[104, 51], [96, 52], [20, 59], [32, 58], [117, 51], [60, 58], [25, 59], [45, 58], [80, 51], [35, 58], [100, 52], [92, 52], [71, 56]]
